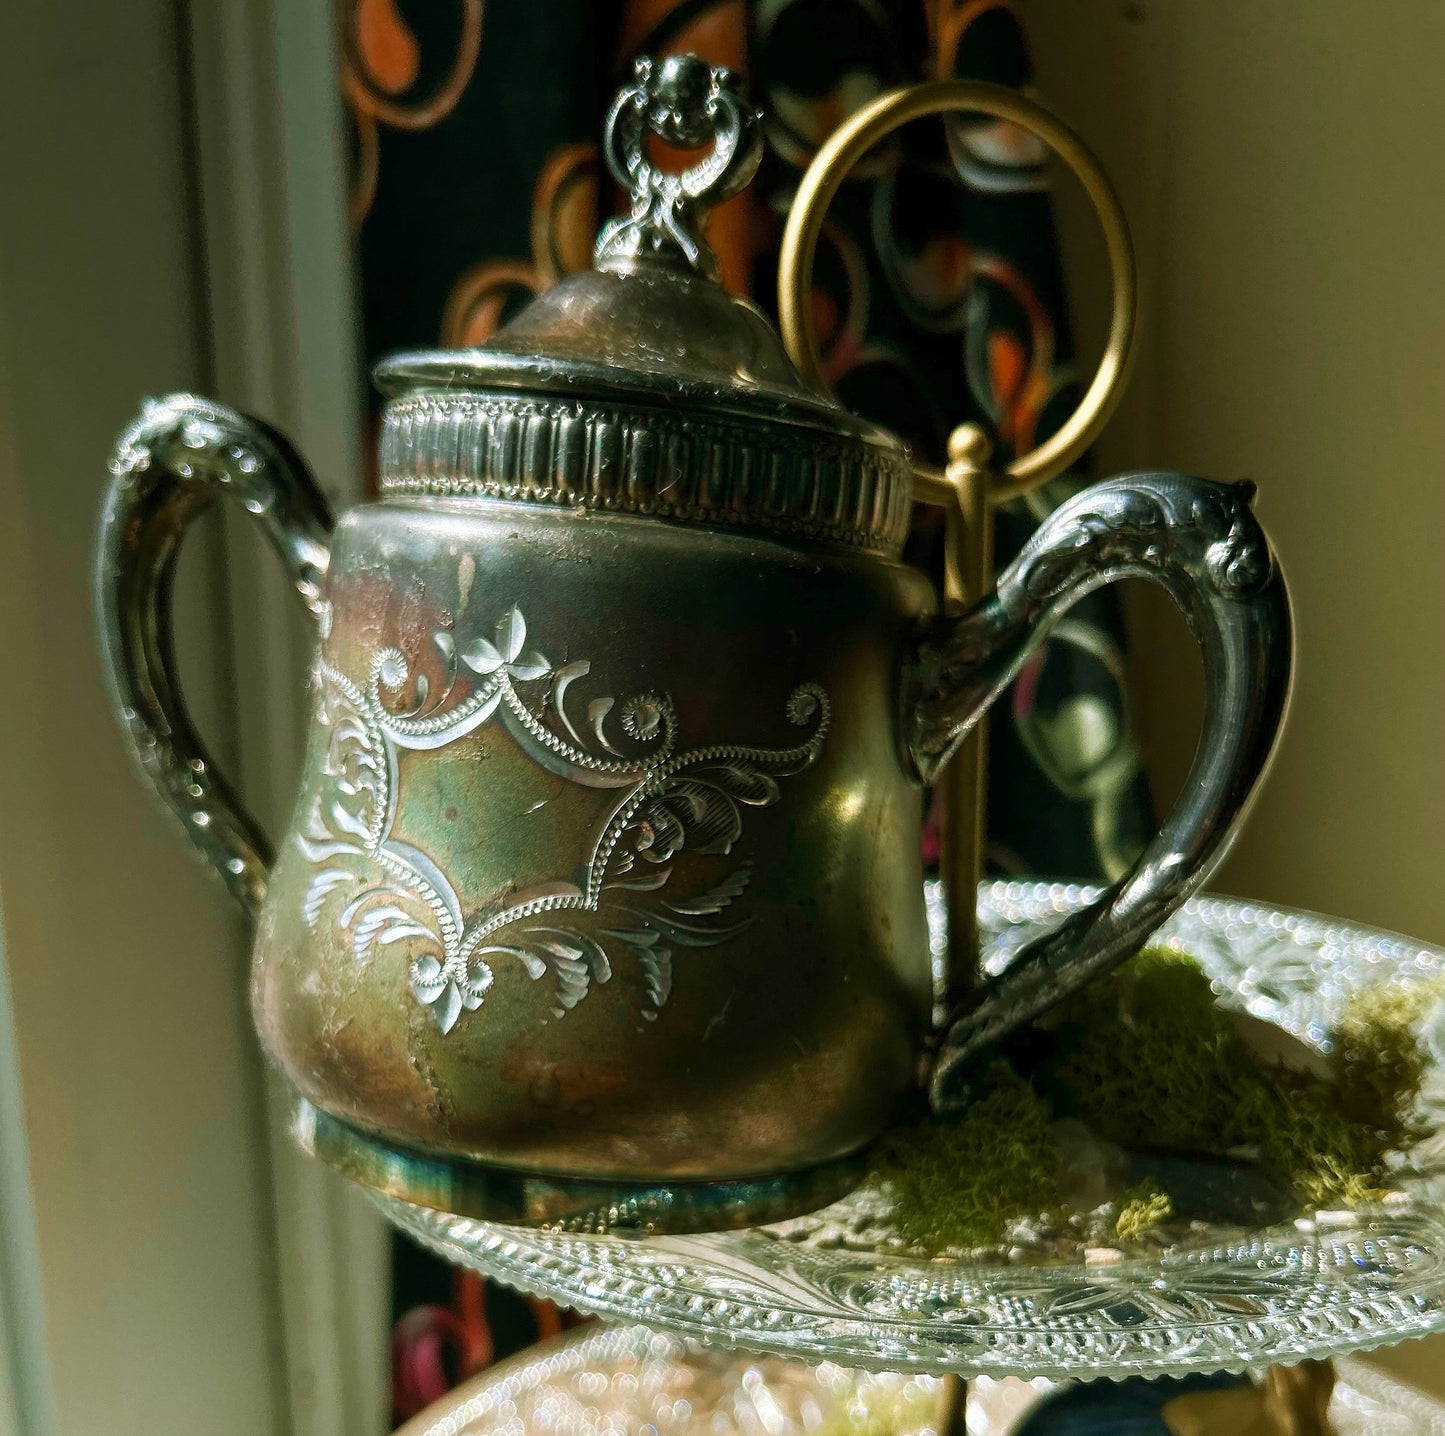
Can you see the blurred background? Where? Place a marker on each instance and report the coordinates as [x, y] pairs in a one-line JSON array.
[[254, 198]]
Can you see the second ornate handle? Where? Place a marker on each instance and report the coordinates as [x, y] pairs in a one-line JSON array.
[[179, 456], [1201, 542]]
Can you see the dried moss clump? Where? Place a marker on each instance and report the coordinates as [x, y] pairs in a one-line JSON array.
[[1377, 1057], [960, 1183], [1377, 1065], [1147, 1061], [1140, 1209]]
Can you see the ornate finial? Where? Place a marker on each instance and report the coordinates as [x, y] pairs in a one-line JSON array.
[[687, 103]]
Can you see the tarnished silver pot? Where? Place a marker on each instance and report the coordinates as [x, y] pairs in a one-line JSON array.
[[602, 896]]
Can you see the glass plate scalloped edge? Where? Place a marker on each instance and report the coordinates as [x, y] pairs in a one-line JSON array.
[[1223, 1300]]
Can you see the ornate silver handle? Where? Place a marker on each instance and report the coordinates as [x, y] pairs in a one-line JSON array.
[[168, 467], [1202, 543]]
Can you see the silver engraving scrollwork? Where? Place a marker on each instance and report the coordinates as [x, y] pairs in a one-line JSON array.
[[381, 891], [1202, 543], [686, 103], [180, 455]]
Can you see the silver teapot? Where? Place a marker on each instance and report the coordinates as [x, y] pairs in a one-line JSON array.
[[602, 899]]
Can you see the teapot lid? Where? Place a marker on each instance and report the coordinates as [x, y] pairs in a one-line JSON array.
[[648, 343]]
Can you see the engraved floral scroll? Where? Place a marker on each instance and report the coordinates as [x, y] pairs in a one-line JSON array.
[[382, 892]]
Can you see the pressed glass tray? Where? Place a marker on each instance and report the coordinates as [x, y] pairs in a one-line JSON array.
[[616, 1381], [834, 1288]]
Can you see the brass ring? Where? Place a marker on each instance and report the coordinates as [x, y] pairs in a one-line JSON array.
[[851, 141]]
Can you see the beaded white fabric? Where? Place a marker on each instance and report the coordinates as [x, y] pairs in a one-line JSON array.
[[621, 1381]]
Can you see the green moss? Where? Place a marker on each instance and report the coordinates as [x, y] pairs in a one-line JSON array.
[[960, 1183], [1147, 1060], [1305, 1136], [1339, 1133], [1377, 1058], [1143, 1207]]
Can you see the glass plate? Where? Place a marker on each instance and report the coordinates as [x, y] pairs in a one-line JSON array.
[[622, 1380], [829, 1288]]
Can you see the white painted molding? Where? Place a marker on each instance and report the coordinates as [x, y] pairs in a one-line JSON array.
[[271, 171], [26, 1407], [140, 1083]]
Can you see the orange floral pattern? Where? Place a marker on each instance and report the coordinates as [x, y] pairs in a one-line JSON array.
[[380, 64]]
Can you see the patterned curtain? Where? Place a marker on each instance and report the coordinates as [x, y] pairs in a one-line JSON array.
[[938, 297]]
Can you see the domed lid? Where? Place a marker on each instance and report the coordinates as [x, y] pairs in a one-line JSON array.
[[637, 327], [641, 384]]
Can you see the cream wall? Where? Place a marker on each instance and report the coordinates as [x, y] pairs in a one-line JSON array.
[[140, 1088], [171, 214], [1283, 162]]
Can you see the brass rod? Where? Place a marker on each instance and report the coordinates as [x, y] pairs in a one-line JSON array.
[[952, 1415], [968, 573]]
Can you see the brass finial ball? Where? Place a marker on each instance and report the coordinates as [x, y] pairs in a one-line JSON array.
[[969, 447]]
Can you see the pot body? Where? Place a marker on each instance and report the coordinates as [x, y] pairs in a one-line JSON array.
[[605, 861]]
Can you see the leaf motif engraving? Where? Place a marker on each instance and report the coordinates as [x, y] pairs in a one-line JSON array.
[[747, 785], [575, 961], [597, 711], [716, 899], [647, 883], [668, 802], [482, 657], [530, 666], [383, 924], [654, 959], [511, 633], [485, 658], [650, 941], [320, 887], [562, 680], [445, 996]]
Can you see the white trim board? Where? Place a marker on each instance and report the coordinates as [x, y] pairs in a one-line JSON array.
[[166, 180], [26, 1408]]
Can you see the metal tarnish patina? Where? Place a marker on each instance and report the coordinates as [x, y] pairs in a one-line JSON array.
[[602, 902]]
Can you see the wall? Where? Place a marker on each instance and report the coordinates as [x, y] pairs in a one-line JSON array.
[[141, 1086], [171, 216], [1281, 164]]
